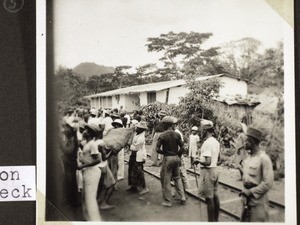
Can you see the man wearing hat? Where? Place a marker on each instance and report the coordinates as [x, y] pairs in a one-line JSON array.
[[115, 115], [158, 129], [117, 166], [118, 123], [194, 141], [171, 146], [136, 178], [68, 145], [209, 156], [258, 179]]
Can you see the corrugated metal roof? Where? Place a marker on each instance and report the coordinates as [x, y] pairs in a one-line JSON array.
[[248, 100], [158, 86]]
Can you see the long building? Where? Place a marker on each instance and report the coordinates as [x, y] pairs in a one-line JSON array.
[[168, 92]]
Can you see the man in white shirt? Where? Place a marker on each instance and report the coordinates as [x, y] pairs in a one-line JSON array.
[[106, 123], [209, 156], [128, 119]]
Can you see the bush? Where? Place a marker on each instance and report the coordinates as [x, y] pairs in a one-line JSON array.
[[199, 104], [273, 138]]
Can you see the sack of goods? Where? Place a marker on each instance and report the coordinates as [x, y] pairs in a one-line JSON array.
[[118, 138]]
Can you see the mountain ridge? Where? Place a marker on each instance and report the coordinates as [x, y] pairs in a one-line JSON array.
[[87, 69]]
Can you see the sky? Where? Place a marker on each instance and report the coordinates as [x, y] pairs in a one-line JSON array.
[[114, 32]]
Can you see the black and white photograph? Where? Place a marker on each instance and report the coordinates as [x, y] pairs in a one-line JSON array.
[[169, 111]]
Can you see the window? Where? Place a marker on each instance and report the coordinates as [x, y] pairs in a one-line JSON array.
[[151, 97]]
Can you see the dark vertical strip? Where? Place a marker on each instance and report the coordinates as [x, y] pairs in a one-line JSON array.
[[27, 20], [51, 183], [167, 95], [18, 99], [297, 94], [54, 177]]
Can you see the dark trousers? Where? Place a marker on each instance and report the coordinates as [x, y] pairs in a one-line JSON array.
[[132, 160], [136, 176], [113, 165], [170, 171], [70, 182]]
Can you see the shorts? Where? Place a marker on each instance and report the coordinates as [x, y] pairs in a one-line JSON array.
[[107, 179], [208, 184]]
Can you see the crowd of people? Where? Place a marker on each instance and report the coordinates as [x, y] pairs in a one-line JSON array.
[[93, 169]]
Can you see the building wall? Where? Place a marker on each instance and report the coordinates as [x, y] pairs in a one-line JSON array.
[[241, 113], [98, 103], [129, 102], [143, 98], [116, 101], [122, 101], [94, 103], [232, 86], [161, 96], [132, 102], [103, 102], [175, 93]]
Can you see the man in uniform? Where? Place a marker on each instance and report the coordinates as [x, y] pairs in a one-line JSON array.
[[258, 179], [209, 157]]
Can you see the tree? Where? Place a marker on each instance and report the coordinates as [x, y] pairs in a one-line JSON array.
[[69, 89], [182, 52], [268, 71], [146, 70], [199, 101], [150, 73], [101, 83], [95, 84], [120, 72], [238, 56]]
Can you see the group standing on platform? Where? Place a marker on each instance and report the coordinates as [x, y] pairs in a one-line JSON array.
[[92, 167]]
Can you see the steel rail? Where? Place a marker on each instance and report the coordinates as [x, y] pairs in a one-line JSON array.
[[272, 202], [189, 193], [236, 217]]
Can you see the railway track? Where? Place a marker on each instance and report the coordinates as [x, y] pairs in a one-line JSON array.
[[230, 202], [234, 189]]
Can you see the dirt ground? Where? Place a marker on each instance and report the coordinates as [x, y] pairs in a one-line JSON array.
[[148, 208], [132, 207]]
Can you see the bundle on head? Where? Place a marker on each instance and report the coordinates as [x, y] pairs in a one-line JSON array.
[[118, 138]]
